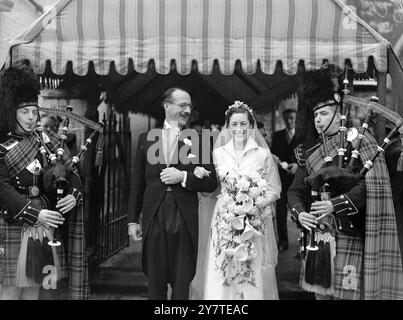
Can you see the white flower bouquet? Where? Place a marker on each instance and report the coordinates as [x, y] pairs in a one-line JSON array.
[[239, 226]]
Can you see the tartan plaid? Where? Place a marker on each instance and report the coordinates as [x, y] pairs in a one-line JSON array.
[[19, 157], [12, 244], [377, 256], [11, 240]]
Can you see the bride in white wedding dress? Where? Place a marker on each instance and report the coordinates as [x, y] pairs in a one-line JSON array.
[[237, 252]]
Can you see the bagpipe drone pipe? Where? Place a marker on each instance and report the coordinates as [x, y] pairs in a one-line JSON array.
[[59, 168]]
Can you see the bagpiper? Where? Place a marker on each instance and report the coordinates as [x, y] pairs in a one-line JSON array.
[[30, 268], [341, 199]]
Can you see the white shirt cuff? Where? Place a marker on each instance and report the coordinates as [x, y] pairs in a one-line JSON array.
[[185, 176]]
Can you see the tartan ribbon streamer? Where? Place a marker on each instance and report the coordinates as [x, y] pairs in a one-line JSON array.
[[80, 119], [378, 108], [77, 263], [86, 122], [382, 274]]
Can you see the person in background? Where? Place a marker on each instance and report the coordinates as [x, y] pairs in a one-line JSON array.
[[283, 145], [197, 125], [50, 123], [264, 133]]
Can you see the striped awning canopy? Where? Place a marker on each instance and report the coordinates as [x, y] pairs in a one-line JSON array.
[[254, 32]]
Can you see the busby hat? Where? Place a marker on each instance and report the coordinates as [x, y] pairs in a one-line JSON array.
[[19, 86], [317, 89]]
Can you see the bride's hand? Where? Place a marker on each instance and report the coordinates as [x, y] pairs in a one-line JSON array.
[[201, 172]]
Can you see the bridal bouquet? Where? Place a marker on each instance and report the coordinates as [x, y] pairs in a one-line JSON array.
[[239, 227]]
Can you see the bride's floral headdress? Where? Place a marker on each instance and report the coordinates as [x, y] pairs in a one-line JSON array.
[[238, 105]]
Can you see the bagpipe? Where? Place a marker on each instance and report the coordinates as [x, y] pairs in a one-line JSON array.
[[59, 167], [339, 177], [344, 176]]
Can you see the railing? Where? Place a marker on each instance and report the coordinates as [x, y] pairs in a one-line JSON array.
[[113, 187]]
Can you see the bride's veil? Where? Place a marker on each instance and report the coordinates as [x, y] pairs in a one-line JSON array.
[[208, 201]]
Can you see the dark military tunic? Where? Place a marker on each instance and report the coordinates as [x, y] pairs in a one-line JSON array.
[[21, 199], [349, 205]]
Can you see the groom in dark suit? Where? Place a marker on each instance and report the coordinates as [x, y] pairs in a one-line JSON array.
[[165, 192], [283, 145]]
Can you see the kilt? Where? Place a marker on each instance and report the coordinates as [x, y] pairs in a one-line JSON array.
[[11, 239], [349, 267]]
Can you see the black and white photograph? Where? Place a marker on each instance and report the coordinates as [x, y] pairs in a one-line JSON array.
[[197, 156]]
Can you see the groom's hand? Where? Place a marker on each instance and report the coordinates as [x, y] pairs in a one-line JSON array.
[[170, 176], [135, 232]]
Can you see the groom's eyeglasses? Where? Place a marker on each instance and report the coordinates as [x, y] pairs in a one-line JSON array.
[[183, 105]]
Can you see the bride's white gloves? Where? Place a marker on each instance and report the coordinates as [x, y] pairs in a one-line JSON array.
[[201, 172]]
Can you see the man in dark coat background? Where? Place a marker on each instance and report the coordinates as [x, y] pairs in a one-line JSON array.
[[283, 145], [165, 192]]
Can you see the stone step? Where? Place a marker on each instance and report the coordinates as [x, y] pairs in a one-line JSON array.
[[128, 258], [122, 273], [119, 280], [122, 282]]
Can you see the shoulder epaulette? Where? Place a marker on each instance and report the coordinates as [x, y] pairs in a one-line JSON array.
[[8, 144], [302, 154]]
